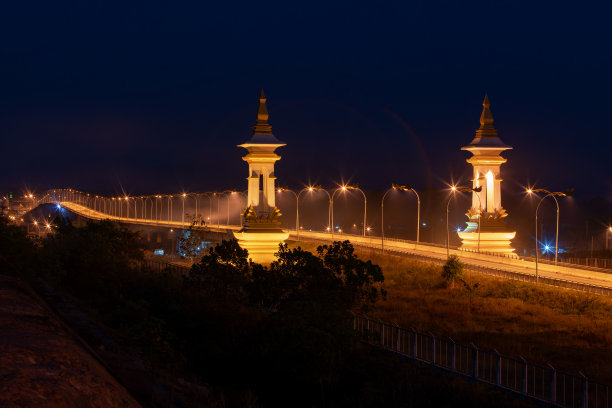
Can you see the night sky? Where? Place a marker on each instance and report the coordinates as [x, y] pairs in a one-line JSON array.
[[154, 97]]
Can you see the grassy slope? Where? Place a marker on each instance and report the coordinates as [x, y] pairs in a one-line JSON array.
[[569, 329]]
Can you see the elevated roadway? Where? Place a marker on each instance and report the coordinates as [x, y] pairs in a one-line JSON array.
[[401, 247]]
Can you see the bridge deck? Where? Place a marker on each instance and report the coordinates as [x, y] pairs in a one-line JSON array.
[[405, 247]]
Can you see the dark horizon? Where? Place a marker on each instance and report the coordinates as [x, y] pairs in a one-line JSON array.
[[153, 100]]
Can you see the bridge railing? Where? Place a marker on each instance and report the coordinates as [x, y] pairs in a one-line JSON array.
[[523, 277], [99, 203], [542, 383]]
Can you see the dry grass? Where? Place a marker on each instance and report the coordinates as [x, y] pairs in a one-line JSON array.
[[569, 329]]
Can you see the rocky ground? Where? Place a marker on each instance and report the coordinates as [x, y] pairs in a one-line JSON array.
[[42, 363]]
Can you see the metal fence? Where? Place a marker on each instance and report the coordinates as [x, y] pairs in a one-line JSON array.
[[542, 383], [164, 267]]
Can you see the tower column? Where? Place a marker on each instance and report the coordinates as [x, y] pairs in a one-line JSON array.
[[486, 229], [261, 233]]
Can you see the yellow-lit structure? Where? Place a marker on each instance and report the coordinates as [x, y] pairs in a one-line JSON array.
[[486, 160], [262, 231]]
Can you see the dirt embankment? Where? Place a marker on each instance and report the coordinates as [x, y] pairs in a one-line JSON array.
[[42, 364]]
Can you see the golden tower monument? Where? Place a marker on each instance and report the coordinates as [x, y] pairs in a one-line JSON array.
[[262, 231], [486, 149]]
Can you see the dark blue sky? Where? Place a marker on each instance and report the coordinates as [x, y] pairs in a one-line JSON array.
[[155, 97]]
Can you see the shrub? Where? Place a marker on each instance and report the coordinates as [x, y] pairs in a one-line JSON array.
[[452, 269]]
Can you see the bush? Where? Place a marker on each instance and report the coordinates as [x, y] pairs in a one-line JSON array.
[[452, 269], [16, 249]]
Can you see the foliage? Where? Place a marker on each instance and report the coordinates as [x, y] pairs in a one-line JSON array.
[[94, 258], [16, 249], [223, 272], [539, 322], [452, 269], [190, 241]]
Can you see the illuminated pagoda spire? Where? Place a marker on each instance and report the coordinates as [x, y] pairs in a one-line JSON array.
[[262, 126], [486, 135], [486, 228], [261, 232], [262, 131]]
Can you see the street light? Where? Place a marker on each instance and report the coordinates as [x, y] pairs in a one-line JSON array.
[[127, 207], [183, 215], [554, 195], [462, 189], [329, 207], [608, 232], [170, 209], [365, 203], [401, 188], [297, 205]]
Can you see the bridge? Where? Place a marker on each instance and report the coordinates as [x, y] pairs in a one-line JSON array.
[[486, 241], [138, 212]]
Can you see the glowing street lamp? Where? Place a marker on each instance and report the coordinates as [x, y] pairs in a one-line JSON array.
[[169, 208], [343, 188], [554, 195], [382, 222], [365, 204], [183, 215], [127, 207], [608, 232], [297, 205], [329, 228]]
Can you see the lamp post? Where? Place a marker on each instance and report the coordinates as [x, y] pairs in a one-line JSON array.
[[462, 189], [183, 214], [401, 188], [210, 195], [382, 218], [365, 205], [228, 195], [127, 207], [554, 195], [608, 232], [170, 208], [331, 204], [297, 205], [329, 207]]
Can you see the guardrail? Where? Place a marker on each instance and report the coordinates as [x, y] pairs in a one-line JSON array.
[[541, 383], [523, 277]]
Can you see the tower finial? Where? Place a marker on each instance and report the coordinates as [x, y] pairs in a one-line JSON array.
[[261, 125], [486, 117]]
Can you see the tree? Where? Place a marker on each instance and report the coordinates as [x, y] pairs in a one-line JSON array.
[[452, 270], [95, 258], [309, 298], [190, 241], [16, 248], [223, 272]]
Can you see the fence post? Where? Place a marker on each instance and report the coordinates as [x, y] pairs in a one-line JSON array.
[[397, 339], [524, 385], [414, 343], [553, 383], [474, 361], [382, 333], [585, 391], [452, 356], [497, 368], [432, 351]]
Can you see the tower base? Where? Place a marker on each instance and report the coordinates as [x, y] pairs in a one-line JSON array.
[[261, 240], [493, 239]]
